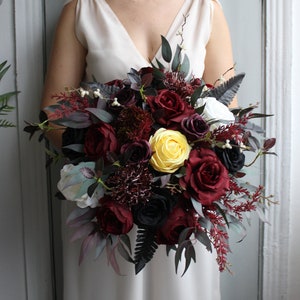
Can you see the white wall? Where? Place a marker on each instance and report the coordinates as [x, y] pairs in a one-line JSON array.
[[294, 257], [25, 262], [245, 23], [25, 269]]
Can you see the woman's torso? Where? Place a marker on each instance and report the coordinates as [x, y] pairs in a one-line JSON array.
[[115, 45]]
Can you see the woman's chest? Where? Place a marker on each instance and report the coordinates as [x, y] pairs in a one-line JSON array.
[[146, 21]]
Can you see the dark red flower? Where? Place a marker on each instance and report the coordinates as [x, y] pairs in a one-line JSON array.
[[168, 108], [100, 139], [114, 217], [180, 218], [206, 179], [131, 184], [174, 81], [194, 127], [139, 151], [133, 124]]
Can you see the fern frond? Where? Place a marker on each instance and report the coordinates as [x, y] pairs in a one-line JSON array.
[[145, 248], [225, 92], [6, 124]]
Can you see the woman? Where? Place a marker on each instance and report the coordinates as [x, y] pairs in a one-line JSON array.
[[104, 39]]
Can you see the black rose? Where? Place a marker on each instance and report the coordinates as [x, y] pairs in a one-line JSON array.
[[232, 158], [153, 213]]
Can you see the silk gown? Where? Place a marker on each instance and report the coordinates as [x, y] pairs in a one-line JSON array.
[[111, 54]]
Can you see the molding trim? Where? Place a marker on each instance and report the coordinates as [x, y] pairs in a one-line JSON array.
[[278, 59], [29, 57]]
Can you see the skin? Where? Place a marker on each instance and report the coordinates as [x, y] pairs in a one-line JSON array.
[[67, 61]]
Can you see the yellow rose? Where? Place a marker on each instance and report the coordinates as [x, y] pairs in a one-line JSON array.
[[170, 149]]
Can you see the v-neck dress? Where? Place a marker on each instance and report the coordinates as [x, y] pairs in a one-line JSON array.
[[111, 54]]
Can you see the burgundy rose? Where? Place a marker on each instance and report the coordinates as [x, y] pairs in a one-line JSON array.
[[168, 108], [206, 178], [146, 74], [125, 97], [114, 218], [134, 152], [100, 139], [179, 219], [194, 127]]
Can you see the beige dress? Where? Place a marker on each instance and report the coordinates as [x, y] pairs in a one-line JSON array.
[[111, 53]]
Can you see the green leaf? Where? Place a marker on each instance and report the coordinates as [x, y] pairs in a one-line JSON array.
[[160, 65], [100, 245], [166, 49], [190, 255], [3, 71], [178, 255], [238, 228], [196, 95], [177, 59], [101, 114], [158, 74], [198, 207], [259, 115], [203, 238], [6, 124], [185, 66], [169, 248], [75, 147], [222, 212], [125, 252], [126, 241]]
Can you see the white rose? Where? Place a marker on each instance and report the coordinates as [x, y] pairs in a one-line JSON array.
[[215, 111], [73, 184]]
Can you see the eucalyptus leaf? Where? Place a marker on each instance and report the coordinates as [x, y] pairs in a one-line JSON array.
[[178, 255], [101, 114], [82, 231], [124, 253], [190, 255], [222, 212], [111, 255], [166, 49], [176, 59], [203, 238], [196, 95], [185, 66], [254, 142], [126, 241], [134, 76], [105, 90], [99, 245], [198, 207], [75, 147], [88, 243], [238, 228], [159, 64]]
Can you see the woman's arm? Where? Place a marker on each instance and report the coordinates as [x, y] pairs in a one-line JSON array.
[[67, 63], [219, 58]]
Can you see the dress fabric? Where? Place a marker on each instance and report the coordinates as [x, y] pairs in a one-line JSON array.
[[111, 54]]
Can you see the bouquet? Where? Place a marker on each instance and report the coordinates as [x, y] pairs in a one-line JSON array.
[[160, 153]]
